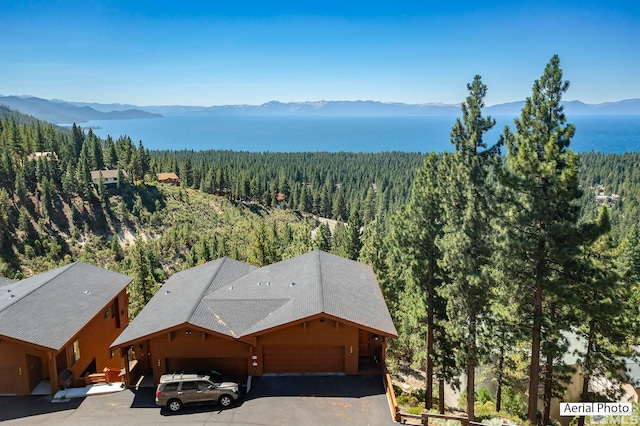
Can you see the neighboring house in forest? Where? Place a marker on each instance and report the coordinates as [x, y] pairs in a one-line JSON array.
[[110, 177], [168, 178], [47, 155], [313, 313], [58, 325]]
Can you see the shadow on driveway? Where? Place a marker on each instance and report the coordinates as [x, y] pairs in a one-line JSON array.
[[143, 398], [18, 407], [337, 386]]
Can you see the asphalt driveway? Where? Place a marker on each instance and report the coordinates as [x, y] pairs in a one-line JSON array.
[[275, 400]]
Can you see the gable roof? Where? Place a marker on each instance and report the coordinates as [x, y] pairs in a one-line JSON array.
[[165, 176], [175, 303], [250, 300], [49, 309], [106, 174]]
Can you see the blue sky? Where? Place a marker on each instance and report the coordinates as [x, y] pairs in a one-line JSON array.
[[242, 52]]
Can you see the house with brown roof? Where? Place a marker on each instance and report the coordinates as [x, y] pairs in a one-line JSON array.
[[168, 178], [313, 313], [58, 325]]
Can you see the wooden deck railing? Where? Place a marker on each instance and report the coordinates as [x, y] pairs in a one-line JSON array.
[[391, 396]]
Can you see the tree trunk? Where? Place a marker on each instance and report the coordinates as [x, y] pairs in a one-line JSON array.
[[548, 385], [471, 377], [534, 371], [471, 372], [441, 396], [586, 371], [548, 377], [428, 400], [500, 377]]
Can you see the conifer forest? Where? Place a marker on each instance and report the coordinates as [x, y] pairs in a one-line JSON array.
[[498, 254]]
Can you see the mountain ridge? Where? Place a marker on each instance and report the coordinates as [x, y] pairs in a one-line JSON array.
[[67, 113], [60, 111]]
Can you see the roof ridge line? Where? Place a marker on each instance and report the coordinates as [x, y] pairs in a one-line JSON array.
[[63, 269], [204, 291], [321, 282]]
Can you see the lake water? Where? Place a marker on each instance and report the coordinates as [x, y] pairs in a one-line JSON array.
[[609, 134]]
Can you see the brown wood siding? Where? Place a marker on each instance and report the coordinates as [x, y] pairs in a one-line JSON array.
[[303, 359], [179, 344], [8, 384], [226, 366], [316, 334], [13, 358], [95, 339]]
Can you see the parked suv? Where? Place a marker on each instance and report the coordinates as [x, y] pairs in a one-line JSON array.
[[178, 389]]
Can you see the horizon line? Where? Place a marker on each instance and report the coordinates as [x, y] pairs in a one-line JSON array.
[[434, 103]]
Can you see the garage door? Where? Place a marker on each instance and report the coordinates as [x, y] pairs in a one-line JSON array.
[[227, 366], [303, 359], [7, 381]]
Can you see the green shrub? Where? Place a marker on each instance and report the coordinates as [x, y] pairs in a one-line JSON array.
[[483, 395], [415, 410]]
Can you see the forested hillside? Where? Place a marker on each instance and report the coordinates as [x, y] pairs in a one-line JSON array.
[[487, 253], [52, 213], [322, 183], [526, 262]]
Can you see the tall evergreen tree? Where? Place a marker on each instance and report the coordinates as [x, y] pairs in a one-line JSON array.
[[353, 240], [540, 232], [5, 206], [143, 286], [83, 174], [322, 238], [607, 318], [261, 250], [413, 236], [466, 240]]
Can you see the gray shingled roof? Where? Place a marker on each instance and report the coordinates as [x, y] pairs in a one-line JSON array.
[[239, 300], [179, 298], [4, 280], [49, 309]]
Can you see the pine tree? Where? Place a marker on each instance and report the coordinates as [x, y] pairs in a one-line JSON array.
[[5, 206], [353, 242], [606, 316], [143, 286], [103, 195], [77, 140], [339, 209], [300, 243], [412, 239], [322, 238], [21, 185], [110, 154], [83, 174], [261, 250], [369, 208], [116, 249], [540, 234], [466, 240]]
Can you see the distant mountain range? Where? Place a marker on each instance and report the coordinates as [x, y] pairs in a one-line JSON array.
[[61, 112], [58, 111]]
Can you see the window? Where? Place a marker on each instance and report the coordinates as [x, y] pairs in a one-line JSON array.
[[203, 386], [74, 352], [112, 308], [112, 353], [106, 313], [169, 387], [189, 386]]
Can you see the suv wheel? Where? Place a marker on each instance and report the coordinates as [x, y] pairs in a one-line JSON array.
[[225, 400], [174, 405]]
